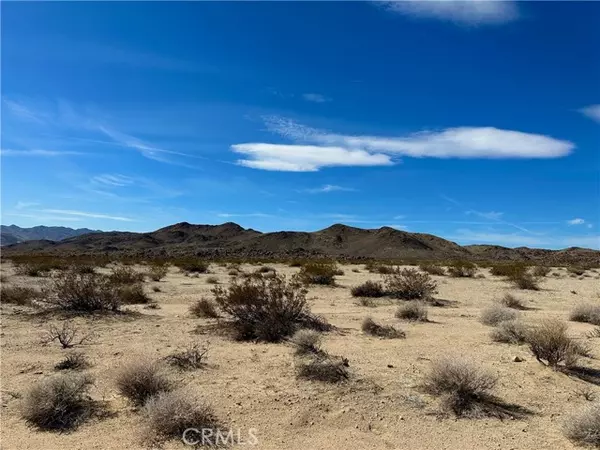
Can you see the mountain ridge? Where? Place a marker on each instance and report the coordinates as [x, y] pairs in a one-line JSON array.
[[12, 234]]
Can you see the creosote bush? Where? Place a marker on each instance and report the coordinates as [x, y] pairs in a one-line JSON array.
[[586, 312], [204, 308], [192, 266], [493, 315], [59, 403], [307, 342], [551, 345], [141, 379], [464, 388], [508, 269], [368, 289], [409, 284], [17, 295], [432, 269], [462, 269], [583, 426], [510, 332], [133, 294], [369, 326], [525, 280], [83, 292], [158, 271], [318, 272], [264, 309], [125, 275], [382, 269], [541, 271], [414, 310]]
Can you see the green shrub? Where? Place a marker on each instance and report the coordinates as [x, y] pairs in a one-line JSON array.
[[318, 273], [525, 281], [432, 269], [192, 266], [158, 271], [368, 289], [17, 295], [541, 271], [125, 275], [379, 268], [462, 269], [409, 284], [83, 292], [508, 269]]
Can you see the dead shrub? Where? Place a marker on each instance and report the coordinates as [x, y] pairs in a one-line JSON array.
[[369, 326], [551, 346], [204, 308], [139, 380], [510, 332], [73, 291], [432, 269], [191, 357], [583, 426], [59, 403], [307, 342], [414, 310], [125, 275], [463, 387], [510, 301], [409, 284], [73, 361], [541, 271], [264, 309], [368, 289], [462, 269], [158, 271], [586, 312], [169, 414], [325, 369], [17, 295], [493, 315], [318, 273], [67, 335]]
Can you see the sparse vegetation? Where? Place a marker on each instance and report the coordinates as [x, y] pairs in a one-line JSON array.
[[493, 315], [192, 266], [508, 269], [510, 332], [204, 308], [158, 271], [369, 326], [368, 289], [510, 301], [462, 269], [191, 357], [326, 369], [586, 312], [583, 426], [409, 284], [133, 294], [212, 280], [320, 272], [67, 335], [125, 275], [73, 291], [139, 380], [550, 344], [576, 270], [416, 311], [59, 403], [432, 269], [379, 268], [73, 361], [18, 295], [307, 342], [541, 271], [525, 281]]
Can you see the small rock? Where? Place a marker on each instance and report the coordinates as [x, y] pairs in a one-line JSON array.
[[518, 359], [391, 366]]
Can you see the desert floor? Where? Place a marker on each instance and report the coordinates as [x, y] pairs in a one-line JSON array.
[[253, 385]]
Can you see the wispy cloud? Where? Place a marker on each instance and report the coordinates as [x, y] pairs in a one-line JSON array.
[[38, 153], [576, 221], [592, 111], [492, 215], [25, 205], [22, 111], [69, 212], [471, 12], [113, 180], [315, 98], [328, 188], [44, 218]]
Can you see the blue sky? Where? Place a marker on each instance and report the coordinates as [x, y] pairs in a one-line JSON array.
[[478, 122]]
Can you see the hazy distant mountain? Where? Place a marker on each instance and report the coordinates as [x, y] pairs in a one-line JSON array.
[[230, 240], [12, 234]]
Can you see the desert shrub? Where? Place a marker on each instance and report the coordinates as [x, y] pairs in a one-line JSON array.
[[158, 271], [576, 270], [369, 326], [192, 266], [583, 426], [212, 280], [326, 369], [510, 301], [17, 295], [550, 344], [432, 269], [510, 332], [125, 275], [35, 269], [67, 335], [379, 268], [541, 271], [462, 386], [462, 269], [409, 284], [508, 269], [133, 294], [169, 414], [264, 309], [366, 301], [233, 273], [58, 403], [156, 289], [191, 357], [73, 361], [265, 269], [586, 312], [141, 379], [414, 310], [368, 289], [296, 263], [307, 342], [318, 273], [525, 281], [493, 315], [83, 292], [204, 308]]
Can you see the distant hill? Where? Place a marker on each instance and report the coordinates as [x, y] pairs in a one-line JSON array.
[[12, 234], [230, 240]]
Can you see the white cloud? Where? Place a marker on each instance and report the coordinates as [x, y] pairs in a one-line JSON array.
[[45, 218], [25, 205], [316, 98], [42, 153], [328, 188], [576, 221], [115, 180], [492, 215], [304, 158], [69, 212], [472, 12], [592, 111], [23, 112], [461, 142]]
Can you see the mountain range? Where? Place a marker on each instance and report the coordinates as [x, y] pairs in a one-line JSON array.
[[12, 234], [230, 240]]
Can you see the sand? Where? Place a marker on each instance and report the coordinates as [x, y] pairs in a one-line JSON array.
[[253, 385]]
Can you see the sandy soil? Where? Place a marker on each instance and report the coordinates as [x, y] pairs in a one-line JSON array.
[[253, 385]]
